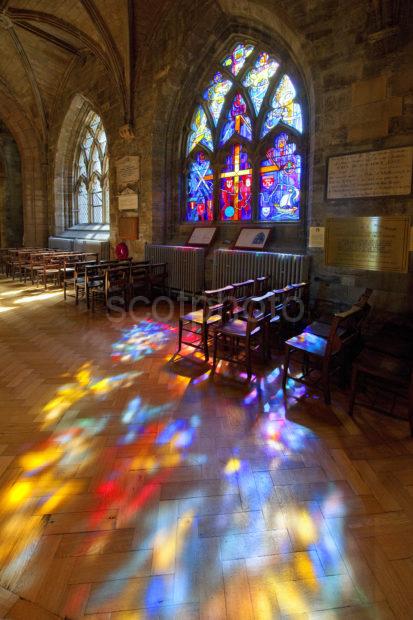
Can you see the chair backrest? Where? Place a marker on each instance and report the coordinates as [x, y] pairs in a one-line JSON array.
[[218, 300], [242, 290], [261, 285], [261, 308], [349, 323]]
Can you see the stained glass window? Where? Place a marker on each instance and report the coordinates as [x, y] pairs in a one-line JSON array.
[[284, 108], [237, 120], [258, 78], [236, 59], [200, 131], [280, 182], [215, 95], [200, 190], [90, 175], [245, 141], [236, 181]]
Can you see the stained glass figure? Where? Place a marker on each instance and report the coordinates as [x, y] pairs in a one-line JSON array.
[[280, 178], [236, 181], [258, 79], [200, 190], [284, 108], [215, 95], [236, 60], [237, 121], [201, 133]]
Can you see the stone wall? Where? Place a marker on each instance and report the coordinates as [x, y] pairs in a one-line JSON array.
[[360, 97], [11, 209]]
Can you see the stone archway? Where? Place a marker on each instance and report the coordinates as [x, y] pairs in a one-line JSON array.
[[33, 171]]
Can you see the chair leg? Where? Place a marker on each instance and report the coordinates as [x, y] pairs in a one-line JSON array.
[[181, 326], [248, 360], [77, 294], [205, 341], [326, 385], [214, 361], [286, 364], [353, 391]]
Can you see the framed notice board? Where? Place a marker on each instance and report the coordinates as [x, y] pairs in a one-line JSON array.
[[372, 243]]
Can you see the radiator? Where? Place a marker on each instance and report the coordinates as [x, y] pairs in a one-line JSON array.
[[186, 266], [237, 265]]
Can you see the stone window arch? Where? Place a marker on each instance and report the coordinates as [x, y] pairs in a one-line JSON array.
[[90, 195], [246, 141]]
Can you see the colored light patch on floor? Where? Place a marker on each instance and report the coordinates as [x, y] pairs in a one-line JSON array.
[[141, 340]]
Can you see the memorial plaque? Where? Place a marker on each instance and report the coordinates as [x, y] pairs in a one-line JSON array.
[[128, 200], [127, 170], [316, 237], [373, 243], [374, 173]]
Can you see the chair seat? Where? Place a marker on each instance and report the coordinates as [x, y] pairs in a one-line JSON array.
[[309, 343], [198, 317], [236, 327], [322, 329]]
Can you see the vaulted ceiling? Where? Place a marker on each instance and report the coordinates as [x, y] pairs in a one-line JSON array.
[[41, 41]]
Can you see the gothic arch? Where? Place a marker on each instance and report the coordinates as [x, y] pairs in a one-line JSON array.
[[33, 169], [187, 72], [79, 110]]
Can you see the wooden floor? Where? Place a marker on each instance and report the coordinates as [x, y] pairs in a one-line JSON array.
[[132, 488]]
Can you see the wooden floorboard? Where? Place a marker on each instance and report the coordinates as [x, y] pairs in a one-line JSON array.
[[134, 487]]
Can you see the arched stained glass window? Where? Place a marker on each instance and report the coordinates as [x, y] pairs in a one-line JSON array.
[[90, 175], [246, 140]]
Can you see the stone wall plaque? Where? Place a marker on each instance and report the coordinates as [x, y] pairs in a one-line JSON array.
[[128, 200], [372, 243], [374, 173], [127, 170]]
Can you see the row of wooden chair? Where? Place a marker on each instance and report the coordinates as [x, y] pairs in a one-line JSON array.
[[112, 281], [236, 315]]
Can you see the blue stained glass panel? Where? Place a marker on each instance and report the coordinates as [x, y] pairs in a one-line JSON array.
[[284, 108], [200, 131], [200, 190], [280, 182], [236, 60], [237, 121], [258, 79], [215, 95]]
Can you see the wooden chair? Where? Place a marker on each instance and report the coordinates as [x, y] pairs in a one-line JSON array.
[[214, 304], [157, 276], [115, 284], [321, 327], [235, 340], [76, 279], [139, 279], [381, 371], [242, 292], [261, 285], [324, 355]]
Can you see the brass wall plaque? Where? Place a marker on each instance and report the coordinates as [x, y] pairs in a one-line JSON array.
[[373, 243]]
